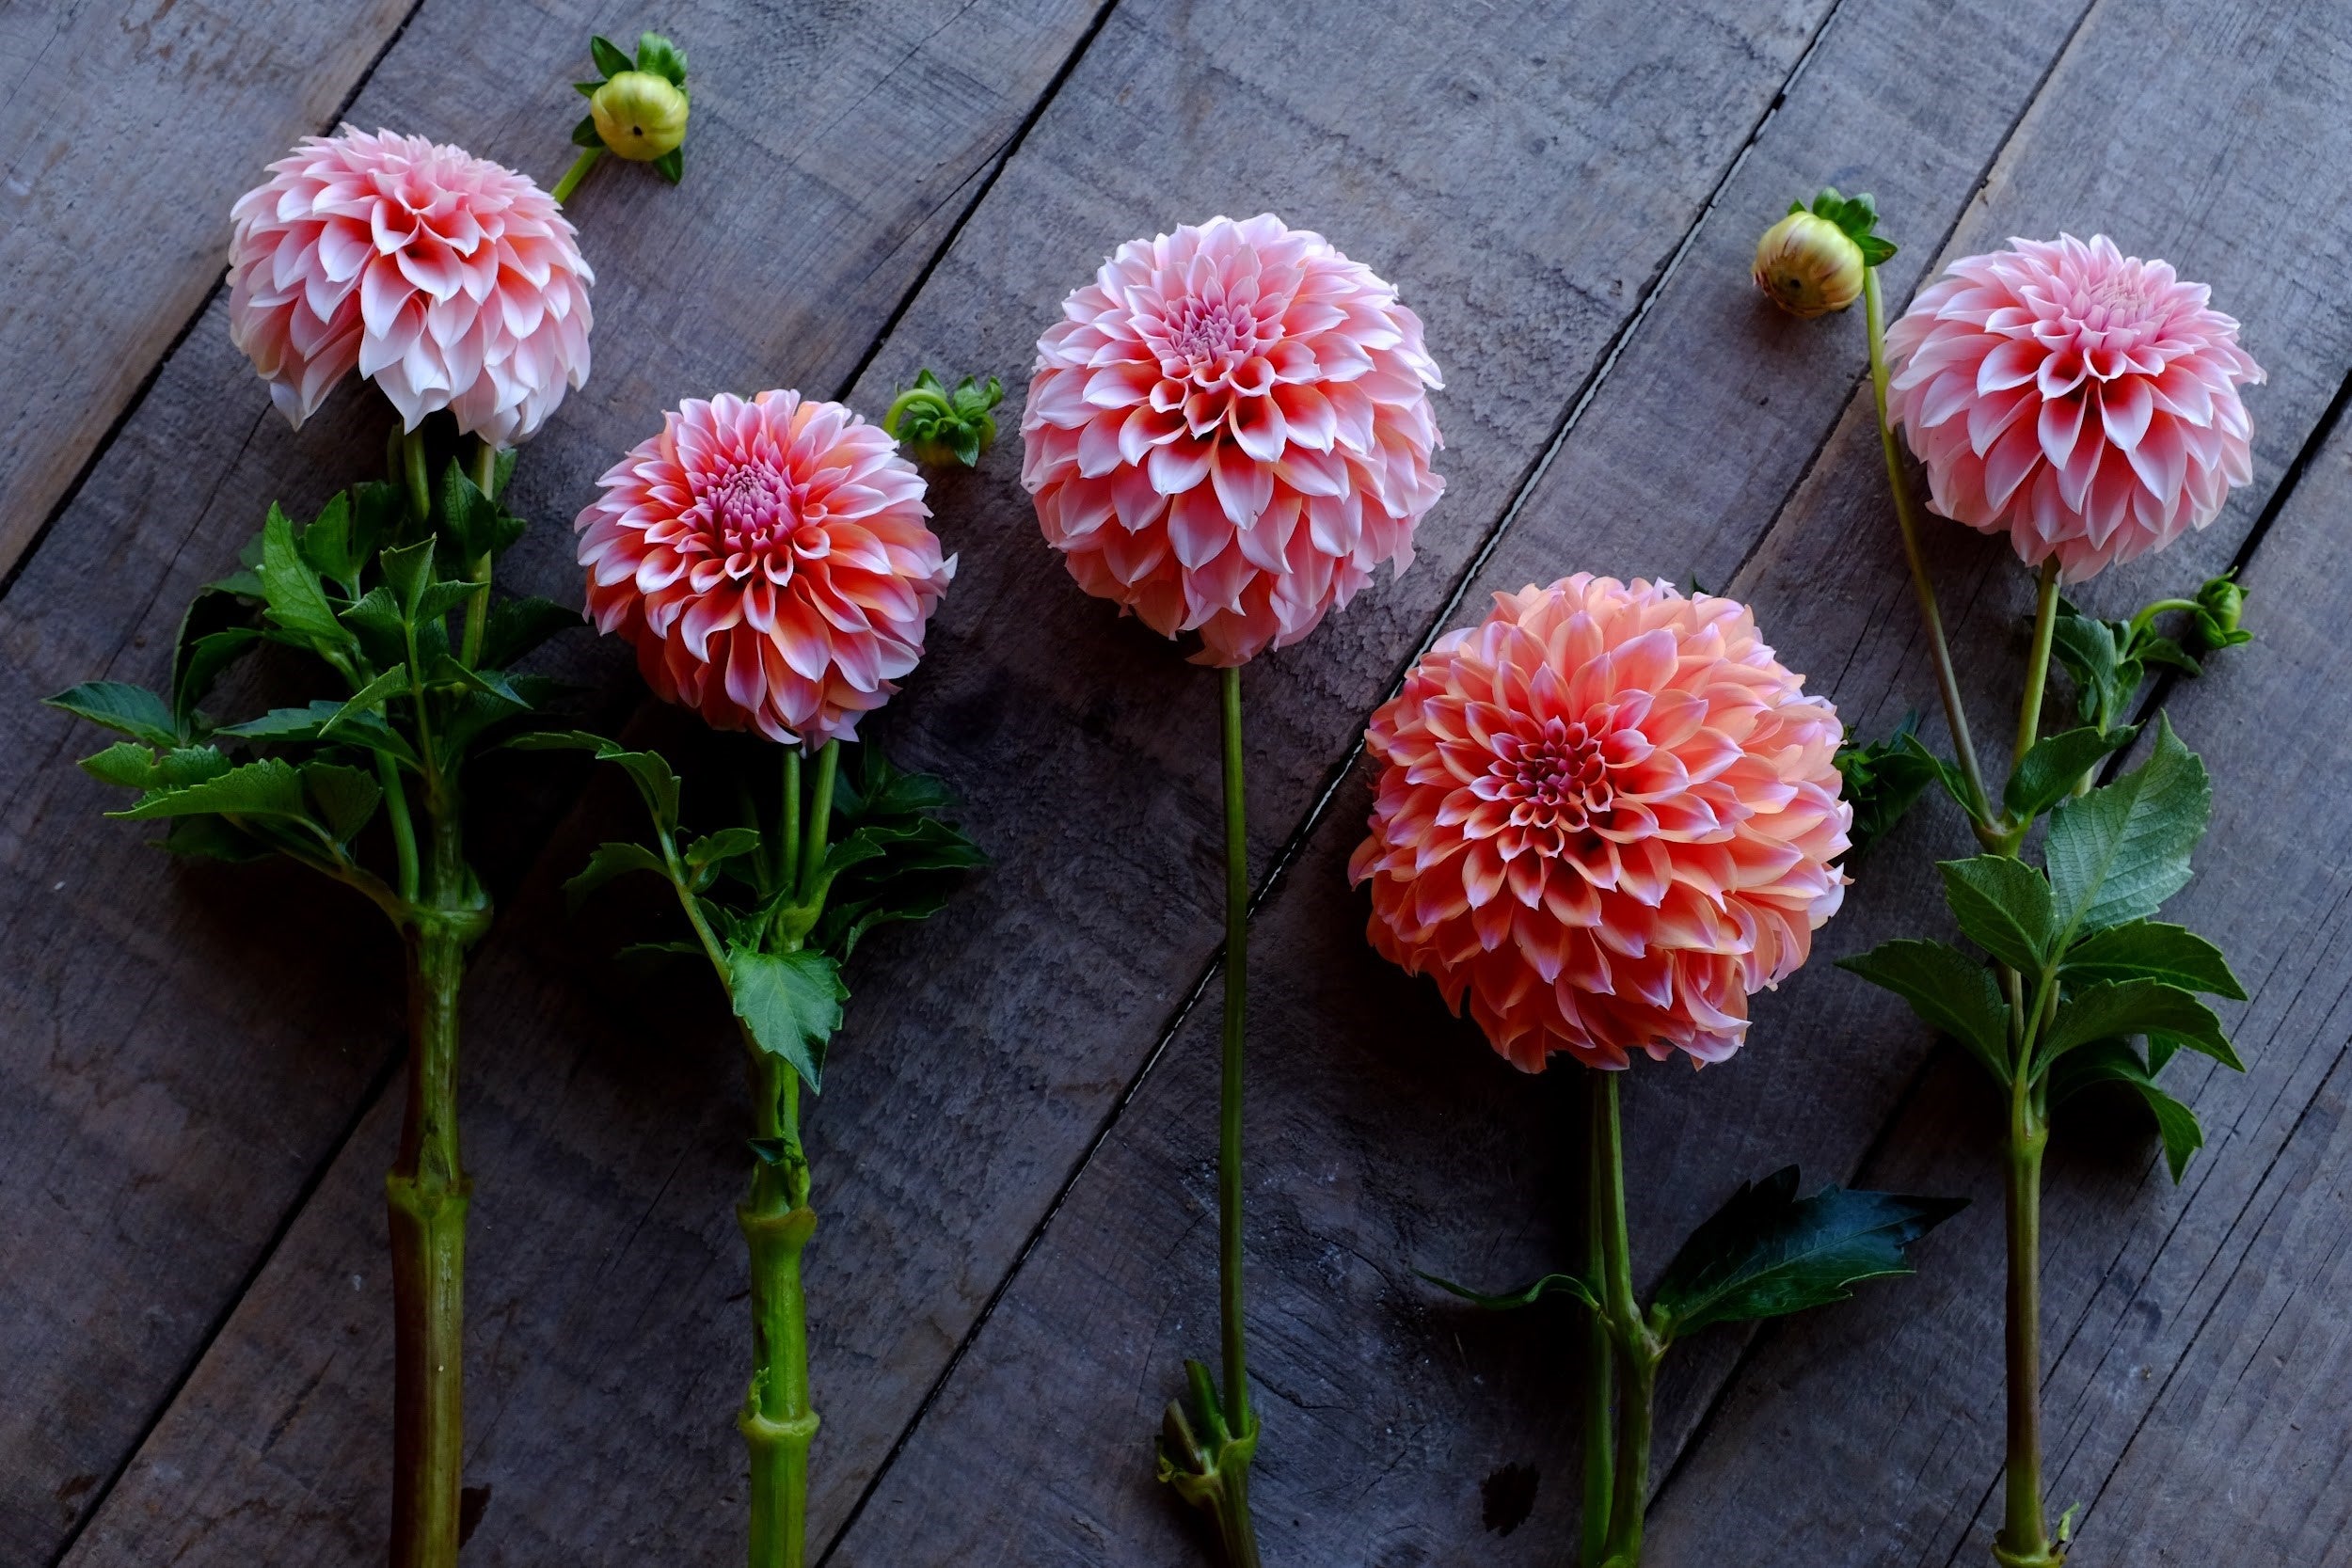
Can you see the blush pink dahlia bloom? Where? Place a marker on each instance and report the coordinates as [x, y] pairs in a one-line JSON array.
[[1229, 431], [1605, 815], [449, 281], [2081, 401], [769, 563]]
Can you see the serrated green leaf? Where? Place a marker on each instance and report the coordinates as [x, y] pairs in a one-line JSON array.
[[715, 848], [290, 594], [2047, 773], [791, 1003], [477, 525], [268, 788], [2154, 649], [1767, 1253], [375, 615], [1572, 1286], [1946, 774], [326, 720], [608, 55], [2003, 905], [345, 798], [134, 766], [409, 572], [516, 625], [201, 663], [608, 862], [2118, 853], [2106, 682], [2120, 1008], [124, 708], [332, 549], [213, 838], [2114, 1061], [1949, 991], [2151, 950], [1882, 781]]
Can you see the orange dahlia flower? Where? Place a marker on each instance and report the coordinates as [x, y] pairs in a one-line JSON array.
[[769, 563], [1605, 815], [1229, 431]]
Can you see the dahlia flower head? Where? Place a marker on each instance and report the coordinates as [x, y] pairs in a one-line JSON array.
[[769, 563], [1606, 816], [448, 280], [1229, 430], [2082, 402]]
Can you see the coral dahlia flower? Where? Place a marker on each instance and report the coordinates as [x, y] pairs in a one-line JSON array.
[[1605, 815], [769, 563], [1229, 430], [2081, 401], [448, 280]]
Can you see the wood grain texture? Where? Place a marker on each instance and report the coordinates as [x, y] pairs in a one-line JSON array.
[[985, 1048], [1385, 1138], [188, 1047], [126, 129]]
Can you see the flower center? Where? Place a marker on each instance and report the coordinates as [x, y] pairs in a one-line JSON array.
[[1206, 336], [752, 511], [1554, 779]]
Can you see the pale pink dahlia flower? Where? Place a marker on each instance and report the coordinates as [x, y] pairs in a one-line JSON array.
[[1605, 815], [448, 280], [769, 562], [2081, 401], [1229, 431]]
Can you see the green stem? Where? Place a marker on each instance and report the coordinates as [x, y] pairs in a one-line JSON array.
[[820, 817], [1240, 1527], [426, 1194], [913, 397], [412, 469], [574, 175], [2038, 662], [1600, 1363], [1639, 1347], [2147, 617], [403, 827], [1922, 586], [778, 1421], [790, 831], [485, 476], [2023, 1541]]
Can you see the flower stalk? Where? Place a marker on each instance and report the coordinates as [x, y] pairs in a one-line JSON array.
[[778, 1421], [2024, 1540], [1635, 1344]]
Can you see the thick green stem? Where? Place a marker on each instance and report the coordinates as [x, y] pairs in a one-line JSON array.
[[2023, 1541], [1229, 1174], [426, 1194], [777, 1419], [485, 470], [574, 175], [1639, 1347], [1922, 586], [819, 816], [789, 830], [2038, 662], [1600, 1362], [412, 471]]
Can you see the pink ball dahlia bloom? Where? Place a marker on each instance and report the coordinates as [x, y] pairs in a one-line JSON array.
[[448, 280], [769, 563], [1229, 431], [2081, 401], [1605, 815]]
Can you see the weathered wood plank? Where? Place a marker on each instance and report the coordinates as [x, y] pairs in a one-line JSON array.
[[128, 129], [987, 1047], [1385, 1138], [190, 1046]]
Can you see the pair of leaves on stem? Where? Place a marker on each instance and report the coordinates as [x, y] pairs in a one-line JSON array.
[[305, 781], [1764, 1254], [2094, 969], [778, 933]]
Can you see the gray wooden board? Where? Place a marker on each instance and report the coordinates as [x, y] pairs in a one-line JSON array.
[[188, 1047], [985, 1049], [126, 129], [1377, 1154]]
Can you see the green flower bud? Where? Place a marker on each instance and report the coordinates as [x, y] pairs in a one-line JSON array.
[[1809, 265], [638, 115], [2222, 602], [938, 426]]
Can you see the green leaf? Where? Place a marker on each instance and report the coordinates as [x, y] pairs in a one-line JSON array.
[[2151, 950], [2107, 681], [1946, 774], [515, 626], [792, 1004], [780, 1152], [655, 782], [126, 709], [671, 166], [1875, 250], [2118, 853], [585, 134], [2118, 1008], [2114, 1061], [409, 572], [608, 55], [2047, 773], [326, 720], [201, 663], [610, 861], [1882, 781], [213, 838], [333, 550], [2153, 649], [2004, 907], [375, 615], [843, 926], [1572, 1286], [1767, 1253], [270, 788], [345, 797], [662, 57], [290, 588], [134, 766], [1949, 991], [475, 523], [714, 849]]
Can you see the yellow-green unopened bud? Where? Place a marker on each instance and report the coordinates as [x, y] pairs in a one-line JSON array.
[[1809, 265], [640, 115]]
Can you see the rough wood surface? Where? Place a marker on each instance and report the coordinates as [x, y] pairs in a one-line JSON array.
[[187, 1048], [1384, 1136], [126, 129], [986, 1048]]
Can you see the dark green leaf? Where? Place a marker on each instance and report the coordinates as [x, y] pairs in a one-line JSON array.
[[345, 797], [2118, 853], [2119, 1009], [1882, 781], [1767, 1252], [2106, 683], [202, 661], [291, 589], [1946, 774], [1875, 250], [1570, 1285], [477, 525], [134, 766], [2153, 649], [646, 769], [1949, 991], [2114, 1061], [409, 572], [662, 57], [671, 166], [608, 55], [515, 626], [269, 789], [2047, 773], [792, 1004], [2004, 907], [726, 845], [585, 134], [213, 838], [2151, 950], [126, 709], [332, 549], [610, 861]]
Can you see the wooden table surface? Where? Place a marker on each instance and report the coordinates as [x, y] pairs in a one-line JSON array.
[[1013, 1152]]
